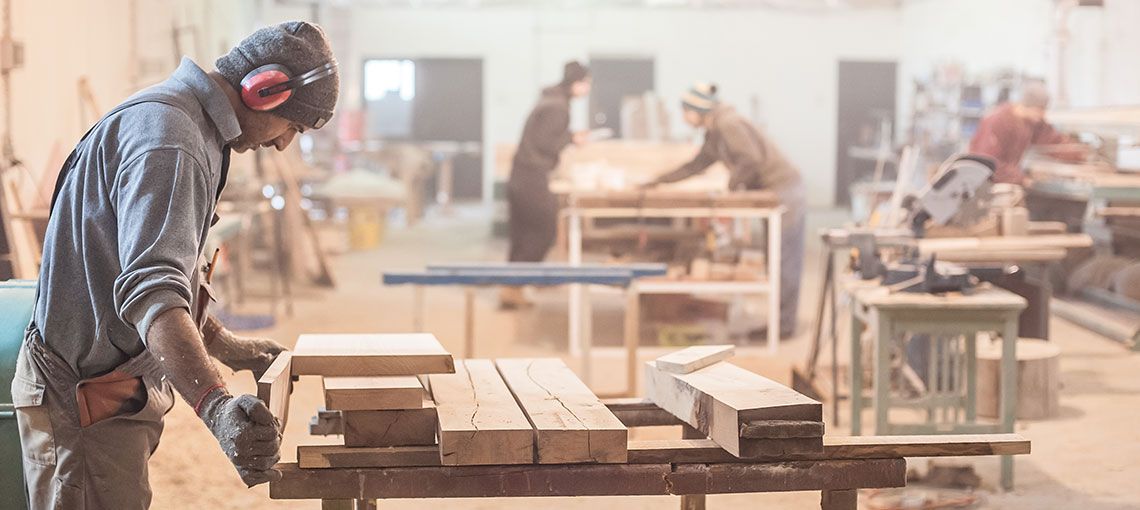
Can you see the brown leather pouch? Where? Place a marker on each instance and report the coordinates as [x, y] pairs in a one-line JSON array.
[[109, 395]]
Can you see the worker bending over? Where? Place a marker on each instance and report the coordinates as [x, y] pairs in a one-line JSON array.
[[120, 310], [754, 163], [1006, 133], [533, 209]]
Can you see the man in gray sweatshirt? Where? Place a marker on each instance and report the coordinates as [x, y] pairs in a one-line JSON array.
[[120, 318]]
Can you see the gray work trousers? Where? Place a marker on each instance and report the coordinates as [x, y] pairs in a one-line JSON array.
[[67, 466], [792, 226]]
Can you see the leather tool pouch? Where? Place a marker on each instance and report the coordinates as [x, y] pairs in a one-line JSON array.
[[109, 395]]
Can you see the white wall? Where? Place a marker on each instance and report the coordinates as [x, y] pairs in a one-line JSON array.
[[789, 60]]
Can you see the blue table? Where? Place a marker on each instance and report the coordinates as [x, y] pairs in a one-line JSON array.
[[515, 274]]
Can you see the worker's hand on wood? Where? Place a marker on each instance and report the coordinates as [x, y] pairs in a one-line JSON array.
[[580, 138], [246, 431], [240, 352]]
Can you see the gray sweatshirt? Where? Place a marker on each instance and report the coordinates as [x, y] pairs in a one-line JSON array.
[[127, 231]]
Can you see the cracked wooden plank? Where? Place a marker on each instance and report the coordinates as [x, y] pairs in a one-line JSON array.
[[584, 479], [373, 393], [570, 424], [405, 427], [479, 420], [370, 355], [720, 399]]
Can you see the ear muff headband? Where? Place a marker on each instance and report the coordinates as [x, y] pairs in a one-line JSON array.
[[269, 86]]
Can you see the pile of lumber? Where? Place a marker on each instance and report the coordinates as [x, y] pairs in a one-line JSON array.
[[403, 397], [748, 415]]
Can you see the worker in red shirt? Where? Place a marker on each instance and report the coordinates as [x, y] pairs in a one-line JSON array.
[[1008, 131]]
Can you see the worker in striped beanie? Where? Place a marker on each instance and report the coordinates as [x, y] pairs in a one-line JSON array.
[[754, 163]]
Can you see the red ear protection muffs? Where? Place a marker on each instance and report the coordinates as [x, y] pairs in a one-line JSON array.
[[271, 85]]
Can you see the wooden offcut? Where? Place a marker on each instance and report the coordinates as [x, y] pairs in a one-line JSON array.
[[694, 358], [1038, 379], [570, 424], [720, 399], [479, 420], [370, 355], [373, 393], [407, 427], [274, 386]]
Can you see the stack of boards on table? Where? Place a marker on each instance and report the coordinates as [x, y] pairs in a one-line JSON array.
[[405, 401], [378, 383], [744, 413]]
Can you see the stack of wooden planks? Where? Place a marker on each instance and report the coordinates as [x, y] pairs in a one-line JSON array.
[[377, 382], [404, 397], [747, 414]]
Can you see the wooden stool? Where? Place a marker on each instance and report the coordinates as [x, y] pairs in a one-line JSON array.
[[1038, 379]]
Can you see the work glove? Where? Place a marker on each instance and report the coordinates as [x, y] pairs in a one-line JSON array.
[[240, 352], [246, 431]]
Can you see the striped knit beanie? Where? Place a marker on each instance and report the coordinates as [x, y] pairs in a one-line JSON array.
[[701, 97]]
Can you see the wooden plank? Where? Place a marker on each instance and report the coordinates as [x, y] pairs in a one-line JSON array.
[[781, 429], [275, 385], [370, 355], [584, 479], [694, 358], [720, 398], [940, 245], [479, 420], [838, 448], [407, 427], [337, 456], [373, 393], [570, 423], [639, 412]]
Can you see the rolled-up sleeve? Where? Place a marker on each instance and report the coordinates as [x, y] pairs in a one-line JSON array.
[[161, 205]]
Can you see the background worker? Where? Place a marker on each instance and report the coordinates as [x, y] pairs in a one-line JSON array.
[[120, 318], [754, 163], [533, 209], [1006, 133]]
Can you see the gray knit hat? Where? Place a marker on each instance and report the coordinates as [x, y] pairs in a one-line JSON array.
[[299, 47], [702, 97]]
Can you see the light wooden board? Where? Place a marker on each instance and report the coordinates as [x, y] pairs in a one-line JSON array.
[[336, 456], [1004, 243], [694, 358], [719, 399], [370, 355], [373, 393], [407, 427], [275, 385], [479, 420], [570, 423]]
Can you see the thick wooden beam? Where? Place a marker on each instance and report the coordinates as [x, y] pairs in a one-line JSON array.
[[370, 355], [479, 420], [406, 427], [275, 385], [570, 423], [694, 358], [720, 399], [584, 479], [373, 393]]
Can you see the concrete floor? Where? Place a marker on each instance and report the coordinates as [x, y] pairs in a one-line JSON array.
[[1086, 459]]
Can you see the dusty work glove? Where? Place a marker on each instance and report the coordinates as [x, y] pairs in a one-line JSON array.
[[246, 431], [239, 352]]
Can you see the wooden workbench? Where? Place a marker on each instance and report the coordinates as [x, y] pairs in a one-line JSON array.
[[685, 467]]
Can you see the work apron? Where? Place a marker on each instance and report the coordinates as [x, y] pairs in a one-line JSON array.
[[86, 442]]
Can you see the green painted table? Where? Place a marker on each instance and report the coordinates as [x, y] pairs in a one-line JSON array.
[[953, 320]]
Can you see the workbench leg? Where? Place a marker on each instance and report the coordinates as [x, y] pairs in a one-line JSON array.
[[587, 335], [856, 372], [575, 311], [469, 323], [1008, 393], [692, 501], [365, 504], [632, 337], [337, 504], [417, 309], [774, 271], [840, 500], [972, 377], [883, 343]]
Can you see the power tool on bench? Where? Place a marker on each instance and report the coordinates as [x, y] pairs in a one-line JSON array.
[[959, 195]]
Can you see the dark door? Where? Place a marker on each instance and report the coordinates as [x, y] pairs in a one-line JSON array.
[[866, 99], [614, 80]]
